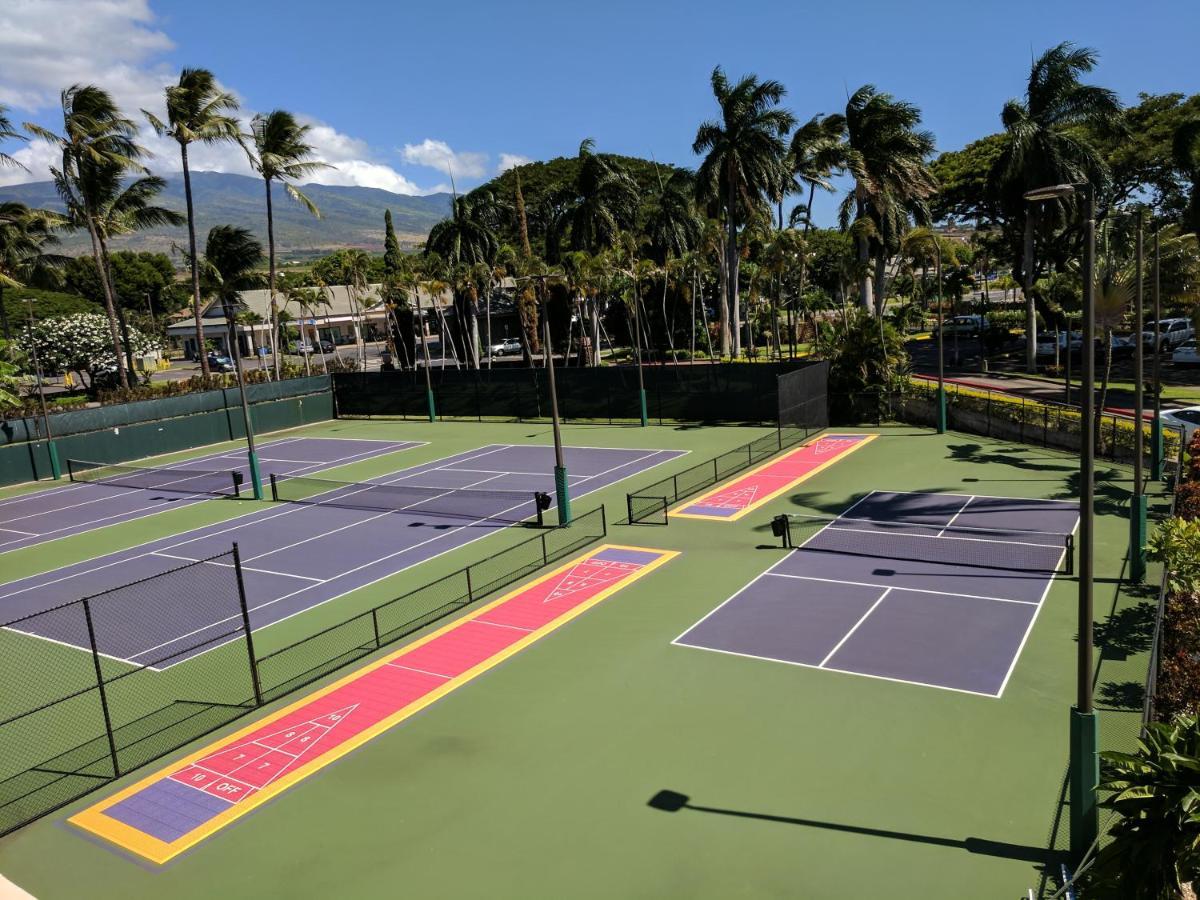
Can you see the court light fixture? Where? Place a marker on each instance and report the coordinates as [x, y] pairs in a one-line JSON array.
[[1051, 192]]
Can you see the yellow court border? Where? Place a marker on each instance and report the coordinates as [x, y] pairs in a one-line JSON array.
[[767, 498], [157, 851]]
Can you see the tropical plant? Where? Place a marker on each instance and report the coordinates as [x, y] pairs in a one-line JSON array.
[[603, 200], [744, 162], [1043, 145], [817, 149], [1153, 849], [197, 111], [232, 257], [96, 142], [865, 352], [8, 133], [26, 235], [886, 154], [83, 344], [1186, 152], [1176, 544], [279, 151]]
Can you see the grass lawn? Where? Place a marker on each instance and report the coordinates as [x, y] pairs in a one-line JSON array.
[[533, 780]]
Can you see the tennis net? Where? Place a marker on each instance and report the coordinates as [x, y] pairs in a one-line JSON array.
[[453, 502], [960, 545], [220, 483]]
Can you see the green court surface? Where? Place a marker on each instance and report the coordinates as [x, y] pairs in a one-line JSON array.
[[534, 780]]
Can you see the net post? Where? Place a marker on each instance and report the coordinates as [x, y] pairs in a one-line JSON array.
[[1070, 554], [70, 469], [241, 589], [108, 729], [274, 488], [237, 483]]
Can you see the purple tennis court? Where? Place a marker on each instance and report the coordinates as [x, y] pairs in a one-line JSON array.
[[124, 493], [938, 590], [296, 556]]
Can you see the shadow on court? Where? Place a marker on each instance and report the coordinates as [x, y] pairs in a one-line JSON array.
[[672, 801]]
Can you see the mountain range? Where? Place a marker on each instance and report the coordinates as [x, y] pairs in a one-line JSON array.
[[350, 216]]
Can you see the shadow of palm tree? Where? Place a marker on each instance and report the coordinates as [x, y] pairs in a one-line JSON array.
[[1122, 695], [1126, 632]]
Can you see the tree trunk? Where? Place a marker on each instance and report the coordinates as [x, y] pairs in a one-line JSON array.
[[191, 217], [110, 306], [271, 281], [731, 253], [4, 326], [522, 222], [666, 324], [1027, 287], [880, 287], [112, 286], [596, 330], [865, 298]]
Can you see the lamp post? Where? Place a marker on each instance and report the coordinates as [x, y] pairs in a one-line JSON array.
[[51, 447], [1137, 506], [235, 350], [562, 494], [941, 391], [1156, 436], [1085, 760], [425, 353]]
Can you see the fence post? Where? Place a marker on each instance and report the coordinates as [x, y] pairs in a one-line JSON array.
[[108, 729], [629, 507], [470, 590], [675, 487], [545, 554], [603, 521], [716, 475], [241, 587], [375, 625], [1022, 420]]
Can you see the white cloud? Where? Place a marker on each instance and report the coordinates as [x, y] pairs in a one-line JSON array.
[[437, 155], [47, 45], [511, 161]]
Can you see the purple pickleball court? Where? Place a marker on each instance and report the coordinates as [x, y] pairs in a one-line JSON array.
[[938, 590]]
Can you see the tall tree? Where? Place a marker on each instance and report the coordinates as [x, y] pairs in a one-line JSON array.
[[522, 221], [603, 200], [744, 160], [1043, 146], [8, 133], [96, 137], [1186, 148], [464, 241], [886, 154], [393, 259], [197, 111], [232, 257], [817, 149], [280, 152], [26, 238]]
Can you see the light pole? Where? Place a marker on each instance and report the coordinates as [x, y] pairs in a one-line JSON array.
[[562, 494], [1085, 759], [51, 447], [425, 353], [1156, 436], [941, 392], [235, 350], [1137, 507]]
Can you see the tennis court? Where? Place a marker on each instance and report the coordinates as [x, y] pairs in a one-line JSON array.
[[337, 538], [939, 590], [104, 495]]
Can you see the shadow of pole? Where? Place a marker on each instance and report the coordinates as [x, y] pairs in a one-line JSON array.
[[672, 801]]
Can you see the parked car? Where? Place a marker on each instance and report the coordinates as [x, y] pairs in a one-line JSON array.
[[218, 362], [1046, 341], [506, 347], [970, 325], [1186, 420], [302, 347], [1187, 354], [1167, 334]]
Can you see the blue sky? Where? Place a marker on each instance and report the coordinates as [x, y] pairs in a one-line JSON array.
[[397, 89]]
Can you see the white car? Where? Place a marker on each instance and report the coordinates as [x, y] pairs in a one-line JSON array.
[[506, 347], [1167, 333], [1186, 420], [1187, 354], [971, 325]]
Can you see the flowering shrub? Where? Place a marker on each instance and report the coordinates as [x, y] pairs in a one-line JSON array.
[[82, 344]]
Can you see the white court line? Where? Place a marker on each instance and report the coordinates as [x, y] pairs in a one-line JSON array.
[[213, 562], [396, 665], [984, 497], [956, 515], [409, 549], [501, 625], [853, 628], [899, 587], [16, 531], [938, 536]]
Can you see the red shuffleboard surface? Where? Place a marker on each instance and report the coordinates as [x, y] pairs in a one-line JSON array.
[[178, 806], [734, 499]]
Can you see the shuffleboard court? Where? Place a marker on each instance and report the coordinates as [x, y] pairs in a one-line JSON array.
[[177, 807], [938, 590], [82, 506], [734, 499], [298, 556]]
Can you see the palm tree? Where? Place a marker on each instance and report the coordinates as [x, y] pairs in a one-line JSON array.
[[280, 152], [25, 237], [462, 241], [196, 111], [1043, 146], [744, 161], [886, 155], [96, 138], [817, 150], [8, 133], [232, 256], [605, 201]]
